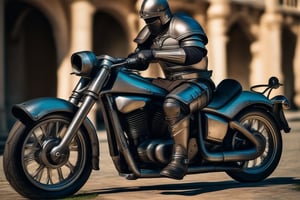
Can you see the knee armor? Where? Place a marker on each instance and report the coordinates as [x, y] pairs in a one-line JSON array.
[[172, 109], [194, 96]]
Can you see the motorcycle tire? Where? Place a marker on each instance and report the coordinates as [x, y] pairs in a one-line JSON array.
[[27, 164], [257, 120]]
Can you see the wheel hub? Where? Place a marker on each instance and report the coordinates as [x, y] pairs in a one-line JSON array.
[[46, 158]]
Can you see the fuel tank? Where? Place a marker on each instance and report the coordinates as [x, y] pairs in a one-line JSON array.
[[131, 91], [130, 83]]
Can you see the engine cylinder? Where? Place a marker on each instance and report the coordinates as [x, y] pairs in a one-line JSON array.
[[137, 126]]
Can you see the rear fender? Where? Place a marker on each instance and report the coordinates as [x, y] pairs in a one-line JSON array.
[[35, 109], [243, 100], [280, 102]]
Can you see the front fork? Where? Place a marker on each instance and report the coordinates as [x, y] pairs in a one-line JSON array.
[[91, 96]]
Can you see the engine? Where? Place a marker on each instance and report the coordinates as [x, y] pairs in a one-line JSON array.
[[147, 132]]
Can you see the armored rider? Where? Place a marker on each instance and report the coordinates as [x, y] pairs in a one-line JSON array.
[[177, 42]]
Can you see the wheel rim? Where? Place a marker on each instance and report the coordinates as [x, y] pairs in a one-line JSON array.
[[259, 125], [37, 165]]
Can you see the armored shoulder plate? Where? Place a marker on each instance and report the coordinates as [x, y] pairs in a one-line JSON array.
[[143, 35], [182, 26]]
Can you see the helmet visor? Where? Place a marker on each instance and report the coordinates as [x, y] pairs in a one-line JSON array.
[[151, 20], [154, 24]]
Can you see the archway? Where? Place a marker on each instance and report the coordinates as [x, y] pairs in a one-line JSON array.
[[31, 62]]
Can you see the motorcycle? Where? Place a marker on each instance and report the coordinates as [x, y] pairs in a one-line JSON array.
[[53, 146]]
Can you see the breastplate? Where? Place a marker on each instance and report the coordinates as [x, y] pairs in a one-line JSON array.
[[164, 41]]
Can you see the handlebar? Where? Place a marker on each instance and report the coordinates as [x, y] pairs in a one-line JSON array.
[[124, 62], [85, 63]]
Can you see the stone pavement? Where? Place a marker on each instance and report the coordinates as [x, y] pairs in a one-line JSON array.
[[283, 184]]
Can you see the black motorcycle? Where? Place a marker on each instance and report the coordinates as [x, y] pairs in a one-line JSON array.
[[53, 147]]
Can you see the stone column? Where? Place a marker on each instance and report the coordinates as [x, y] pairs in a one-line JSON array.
[[218, 13], [3, 128], [256, 64], [82, 12], [81, 40], [81, 19], [270, 40]]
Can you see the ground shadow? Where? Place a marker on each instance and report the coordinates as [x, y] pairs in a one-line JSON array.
[[196, 188]]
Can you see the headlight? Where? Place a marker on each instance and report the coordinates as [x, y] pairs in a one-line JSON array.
[[83, 63]]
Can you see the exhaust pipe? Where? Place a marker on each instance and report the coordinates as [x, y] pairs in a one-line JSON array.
[[238, 155]]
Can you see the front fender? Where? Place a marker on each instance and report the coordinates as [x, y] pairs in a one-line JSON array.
[[35, 109]]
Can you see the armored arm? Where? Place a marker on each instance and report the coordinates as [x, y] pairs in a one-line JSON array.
[[172, 55], [191, 51]]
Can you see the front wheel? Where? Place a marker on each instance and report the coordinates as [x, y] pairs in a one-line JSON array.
[[258, 121], [28, 166]]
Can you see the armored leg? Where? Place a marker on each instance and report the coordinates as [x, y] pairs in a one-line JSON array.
[[178, 166], [182, 101]]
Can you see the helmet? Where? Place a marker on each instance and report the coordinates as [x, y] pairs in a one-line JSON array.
[[156, 13]]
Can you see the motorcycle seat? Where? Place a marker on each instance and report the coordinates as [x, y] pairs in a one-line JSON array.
[[225, 91]]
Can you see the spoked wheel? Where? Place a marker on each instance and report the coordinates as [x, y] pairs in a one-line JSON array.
[[28, 165], [258, 122]]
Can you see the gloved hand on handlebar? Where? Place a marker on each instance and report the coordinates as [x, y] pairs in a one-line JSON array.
[[145, 56], [140, 59]]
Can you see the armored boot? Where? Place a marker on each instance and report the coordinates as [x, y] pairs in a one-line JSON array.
[[178, 165]]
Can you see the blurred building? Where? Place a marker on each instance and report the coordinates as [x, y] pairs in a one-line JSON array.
[[249, 40]]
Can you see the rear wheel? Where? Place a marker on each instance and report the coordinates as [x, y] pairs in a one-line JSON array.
[[31, 171], [258, 121]]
